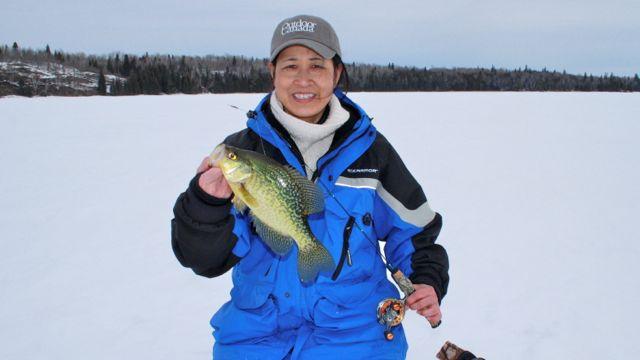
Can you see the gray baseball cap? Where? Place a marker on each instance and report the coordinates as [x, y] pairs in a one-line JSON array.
[[310, 31]]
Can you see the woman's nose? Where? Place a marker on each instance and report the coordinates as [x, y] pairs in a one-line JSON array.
[[303, 78]]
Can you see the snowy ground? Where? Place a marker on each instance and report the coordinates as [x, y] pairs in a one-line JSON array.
[[539, 193]]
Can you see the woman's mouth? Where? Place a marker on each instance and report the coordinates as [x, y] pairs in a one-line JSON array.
[[304, 97]]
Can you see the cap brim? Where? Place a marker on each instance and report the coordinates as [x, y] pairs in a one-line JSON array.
[[323, 50]]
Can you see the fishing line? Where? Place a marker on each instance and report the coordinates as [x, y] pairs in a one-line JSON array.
[[260, 137], [386, 263]]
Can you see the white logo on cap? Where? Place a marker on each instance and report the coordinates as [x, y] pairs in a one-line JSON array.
[[300, 25]]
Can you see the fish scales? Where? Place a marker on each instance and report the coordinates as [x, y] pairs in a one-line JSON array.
[[280, 200], [282, 205]]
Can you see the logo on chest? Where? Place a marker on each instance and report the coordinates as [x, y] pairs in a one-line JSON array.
[[362, 171]]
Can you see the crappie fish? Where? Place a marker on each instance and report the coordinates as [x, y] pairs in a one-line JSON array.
[[280, 199]]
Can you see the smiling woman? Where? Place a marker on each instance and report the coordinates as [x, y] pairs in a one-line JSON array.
[[304, 81], [309, 124]]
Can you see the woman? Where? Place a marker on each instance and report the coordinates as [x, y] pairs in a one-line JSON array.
[[309, 124]]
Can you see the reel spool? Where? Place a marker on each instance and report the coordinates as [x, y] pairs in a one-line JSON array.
[[390, 311]]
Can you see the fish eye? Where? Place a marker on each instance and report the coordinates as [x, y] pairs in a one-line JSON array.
[[232, 156]]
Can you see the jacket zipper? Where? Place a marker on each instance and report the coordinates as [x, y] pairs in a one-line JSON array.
[[346, 254], [316, 173]]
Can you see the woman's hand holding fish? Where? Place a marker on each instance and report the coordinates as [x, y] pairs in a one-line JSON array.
[[212, 181], [425, 301]]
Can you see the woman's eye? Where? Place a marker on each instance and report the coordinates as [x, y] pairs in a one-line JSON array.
[[316, 66]]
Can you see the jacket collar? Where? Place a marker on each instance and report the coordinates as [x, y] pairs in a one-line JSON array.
[[263, 123]]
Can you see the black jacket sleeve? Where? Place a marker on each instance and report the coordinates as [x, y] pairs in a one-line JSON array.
[[430, 262], [202, 232]]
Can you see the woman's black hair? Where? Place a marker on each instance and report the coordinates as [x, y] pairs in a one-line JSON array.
[[344, 77], [337, 61]]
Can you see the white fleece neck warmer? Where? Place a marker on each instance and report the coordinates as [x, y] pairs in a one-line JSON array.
[[313, 140]]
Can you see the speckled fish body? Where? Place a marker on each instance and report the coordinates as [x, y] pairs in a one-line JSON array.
[[279, 199]]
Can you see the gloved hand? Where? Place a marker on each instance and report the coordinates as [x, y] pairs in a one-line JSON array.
[[451, 351]]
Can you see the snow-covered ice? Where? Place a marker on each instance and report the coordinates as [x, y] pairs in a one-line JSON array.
[[539, 194]]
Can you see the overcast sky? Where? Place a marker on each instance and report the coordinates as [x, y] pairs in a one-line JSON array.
[[593, 36]]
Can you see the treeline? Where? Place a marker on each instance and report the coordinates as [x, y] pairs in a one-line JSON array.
[[393, 78], [124, 74]]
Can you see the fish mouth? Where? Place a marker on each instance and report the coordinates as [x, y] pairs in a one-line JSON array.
[[231, 170]]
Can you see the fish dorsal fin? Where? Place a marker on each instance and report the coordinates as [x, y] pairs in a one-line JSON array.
[[312, 196], [243, 198], [279, 243]]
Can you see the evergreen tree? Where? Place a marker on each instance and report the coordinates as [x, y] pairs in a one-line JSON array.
[[102, 84], [116, 64], [59, 56], [126, 66], [24, 89], [48, 50], [636, 83], [116, 87]]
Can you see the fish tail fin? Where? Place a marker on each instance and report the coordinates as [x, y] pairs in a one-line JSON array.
[[313, 259]]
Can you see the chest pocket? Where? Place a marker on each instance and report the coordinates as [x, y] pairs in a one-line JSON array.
[[358, 254], [253, 277]]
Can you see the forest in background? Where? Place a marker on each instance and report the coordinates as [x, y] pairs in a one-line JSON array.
[[42, 72]]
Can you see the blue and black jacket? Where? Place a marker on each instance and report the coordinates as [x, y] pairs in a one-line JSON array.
[[271, 315]]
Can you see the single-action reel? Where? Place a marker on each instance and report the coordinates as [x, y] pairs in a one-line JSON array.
[[391, 311]]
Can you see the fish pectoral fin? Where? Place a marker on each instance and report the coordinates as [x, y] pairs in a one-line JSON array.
[[312, 196], [279, 243], [239, 204], [244, 198]]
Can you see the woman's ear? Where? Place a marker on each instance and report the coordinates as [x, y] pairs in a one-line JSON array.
[[272, 71]]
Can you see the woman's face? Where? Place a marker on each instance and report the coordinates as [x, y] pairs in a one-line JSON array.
[[304, 82]]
